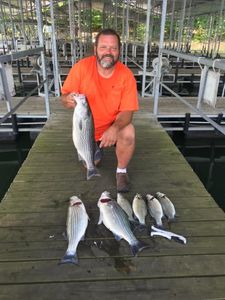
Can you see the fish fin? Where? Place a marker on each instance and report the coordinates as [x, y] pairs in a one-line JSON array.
[[100, 218], [69, 259], [82, 238], [80, 158], [91, 173], [140, 227], [64, 234], [80, 125], [117, 237], [160, 226], [138, 246]]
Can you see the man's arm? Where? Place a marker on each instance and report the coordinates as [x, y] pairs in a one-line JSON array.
[[109, 137], [68, 100]]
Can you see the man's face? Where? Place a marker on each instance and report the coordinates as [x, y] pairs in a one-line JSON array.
[[107, 51]]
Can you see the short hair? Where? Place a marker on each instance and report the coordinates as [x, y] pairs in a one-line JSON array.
[[107, 31]]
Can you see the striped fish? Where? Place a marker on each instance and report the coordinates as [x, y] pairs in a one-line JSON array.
[[83, 134], [77, 222], [116, 220]]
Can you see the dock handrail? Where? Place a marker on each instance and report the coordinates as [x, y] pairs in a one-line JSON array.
[[216, 63], [8, 98]]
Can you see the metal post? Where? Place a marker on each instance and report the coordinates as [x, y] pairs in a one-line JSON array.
[[181, 27], [146, 47], [54, 52], [5, 86], [116, 12], [12, 26], [41, 41], [22, 22], [72, 31], [172, 22], [4, 40], [158, 75], [210, 34], [127, 31], [123, 33], [220, 27]]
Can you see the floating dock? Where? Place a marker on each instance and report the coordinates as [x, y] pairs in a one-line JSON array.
[[33, 219]]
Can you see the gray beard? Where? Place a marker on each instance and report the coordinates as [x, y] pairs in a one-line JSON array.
[[106, 64]]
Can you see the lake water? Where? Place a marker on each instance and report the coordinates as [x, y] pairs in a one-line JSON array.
[[205, 155], [12, 155]]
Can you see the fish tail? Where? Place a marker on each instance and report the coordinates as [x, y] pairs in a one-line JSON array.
[[69, 259], [160, 226], [138, 246], [92, 172], [140, 227]]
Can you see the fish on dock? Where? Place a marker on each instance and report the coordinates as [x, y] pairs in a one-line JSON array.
[[139, 209], [167, 206], [77, 222], [83, 134], [125, 205], [116, 220], [155, 209]]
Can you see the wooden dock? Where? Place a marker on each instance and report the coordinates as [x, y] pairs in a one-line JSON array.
[[33, 218]]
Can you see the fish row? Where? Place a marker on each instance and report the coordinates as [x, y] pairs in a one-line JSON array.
[[158, 206], [116, 216], [111, 215]]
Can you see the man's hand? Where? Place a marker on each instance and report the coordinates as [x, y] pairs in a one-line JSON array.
[[109, 137], [68, 100]]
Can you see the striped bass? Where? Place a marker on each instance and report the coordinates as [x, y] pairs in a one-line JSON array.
[[116, 220], [83, 134], [167, 206], [155, 209], [140, 209], [126, 206], [77, 222]]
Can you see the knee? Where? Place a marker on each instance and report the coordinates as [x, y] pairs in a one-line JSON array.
[[127, 135]]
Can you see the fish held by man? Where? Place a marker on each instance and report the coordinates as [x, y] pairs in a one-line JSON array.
[[77, 222], [167, 206], [116, 220], [155, 209], [83, 134]]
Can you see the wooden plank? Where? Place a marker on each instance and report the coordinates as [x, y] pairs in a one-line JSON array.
[[170, 288], [55, 247], [99, 269]]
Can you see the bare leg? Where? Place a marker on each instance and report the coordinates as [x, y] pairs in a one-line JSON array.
[[125, 146]]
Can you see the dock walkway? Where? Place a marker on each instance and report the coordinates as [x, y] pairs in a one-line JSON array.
[[33, 218]]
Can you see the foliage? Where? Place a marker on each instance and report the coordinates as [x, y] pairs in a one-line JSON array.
[[200, 31], [97, 20]]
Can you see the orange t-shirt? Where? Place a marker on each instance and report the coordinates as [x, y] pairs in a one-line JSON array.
[[106, 96]]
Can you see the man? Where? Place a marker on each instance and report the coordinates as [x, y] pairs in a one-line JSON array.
[[111, 91]]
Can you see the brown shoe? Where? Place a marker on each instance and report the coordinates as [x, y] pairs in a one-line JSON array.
[[122, 182]]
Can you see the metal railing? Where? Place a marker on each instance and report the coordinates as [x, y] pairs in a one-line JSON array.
[[7, 95]]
